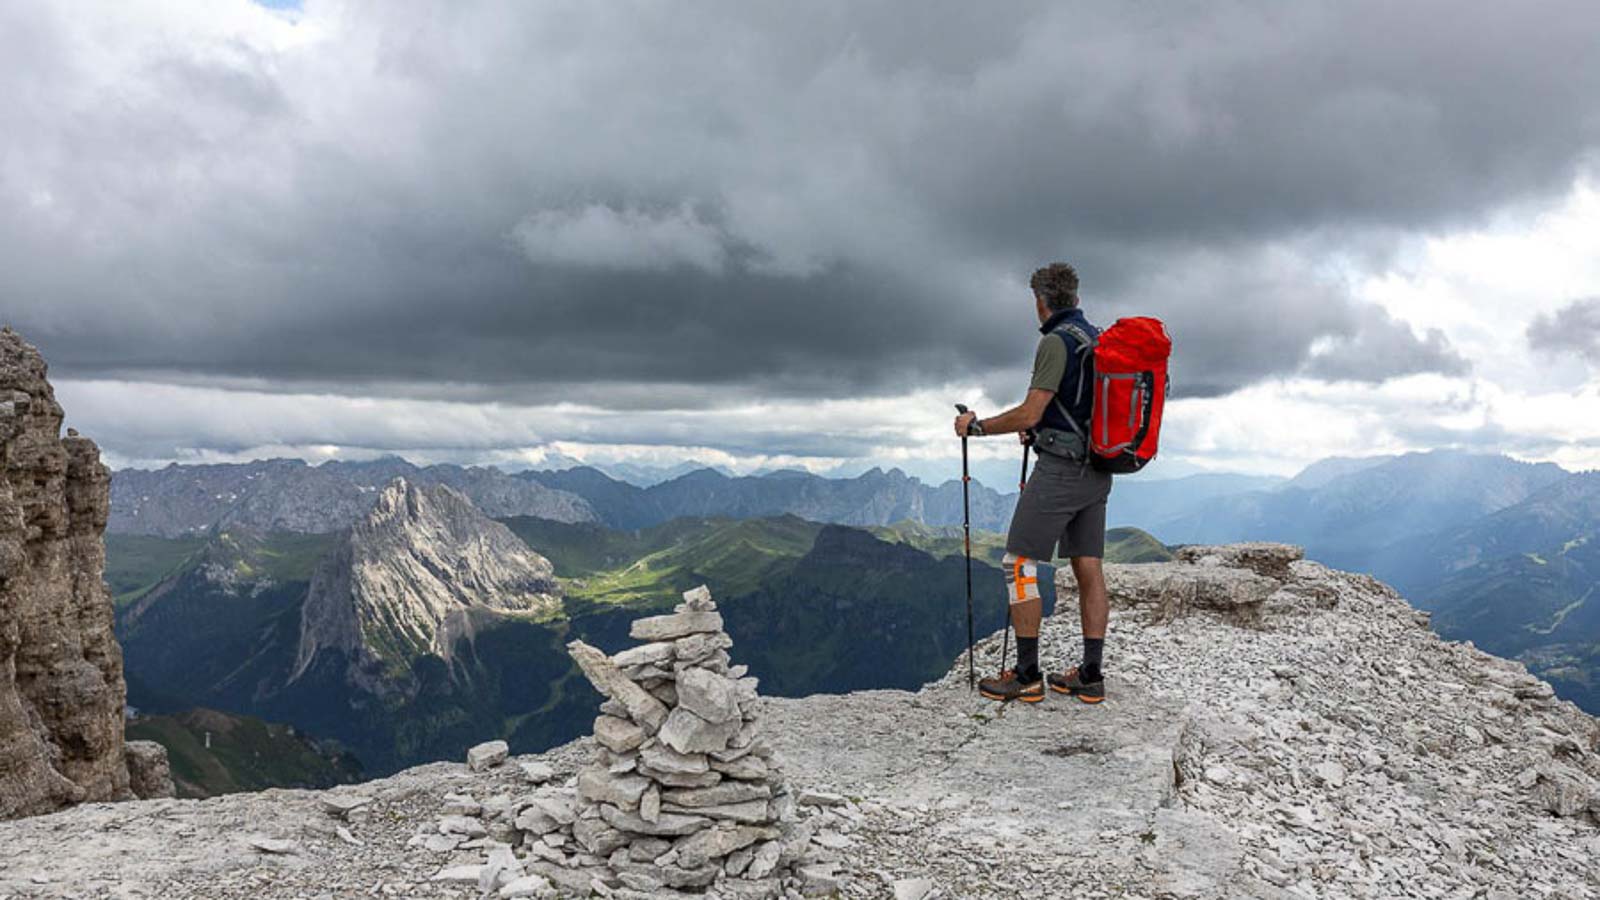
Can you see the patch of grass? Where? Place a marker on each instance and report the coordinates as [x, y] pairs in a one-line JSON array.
[[137, 562]]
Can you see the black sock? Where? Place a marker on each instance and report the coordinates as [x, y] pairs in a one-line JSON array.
[[1092, 648], [1028, 658]]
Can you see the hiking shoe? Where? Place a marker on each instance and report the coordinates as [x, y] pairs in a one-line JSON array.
[[1069, 683], [1007, 686]]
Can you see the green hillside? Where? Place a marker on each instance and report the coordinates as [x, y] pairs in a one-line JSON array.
[[811, 607], [137, 562], [245, 754]]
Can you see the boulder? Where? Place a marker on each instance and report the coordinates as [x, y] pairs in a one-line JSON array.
[[709, 696], [688, 733], [487, 755], [149, 772]]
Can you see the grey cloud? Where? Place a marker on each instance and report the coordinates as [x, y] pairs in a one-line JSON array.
[[1574, 328], [1382, 347], [580, 201]]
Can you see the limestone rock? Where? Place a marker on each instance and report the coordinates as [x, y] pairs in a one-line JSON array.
[[709, 696], [149, 772], [609, 680], [688, 733], [618, 735], [61, 687], [1265, 559], [677, 625], [487, 755], [619, 790]]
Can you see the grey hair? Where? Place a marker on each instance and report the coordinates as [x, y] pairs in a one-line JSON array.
[[1056, 285]]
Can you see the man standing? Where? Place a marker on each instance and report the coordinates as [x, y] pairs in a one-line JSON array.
[[1064, 501]]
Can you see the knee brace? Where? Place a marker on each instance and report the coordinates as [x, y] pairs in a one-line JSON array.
[[1022, 594]]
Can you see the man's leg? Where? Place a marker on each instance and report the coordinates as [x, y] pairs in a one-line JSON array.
[[1026, 609], [1094, 609], [1025, 682]]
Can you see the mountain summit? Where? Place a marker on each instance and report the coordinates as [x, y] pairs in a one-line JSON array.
[[1276, 729], [408, 578]]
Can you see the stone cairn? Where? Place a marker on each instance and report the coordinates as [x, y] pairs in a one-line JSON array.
[[682, 798]]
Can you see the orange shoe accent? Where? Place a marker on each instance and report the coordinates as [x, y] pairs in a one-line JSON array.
[[1091, 700]]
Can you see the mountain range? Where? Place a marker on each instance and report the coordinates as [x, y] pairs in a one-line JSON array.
[[290, 495], [426, 624]]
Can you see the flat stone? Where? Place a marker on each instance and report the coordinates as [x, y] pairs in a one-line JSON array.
[[667, 760], [681, 779], [752, 812], [688, 733], [597, 837], [710, 844], [645, 654], [526, 886], [696, 647], [341, 805], [677, 625], [747, 768], [608, 679], [666, 825], [820, 798], [487, 755], [709, 696], [466, 826], [698, 599], [536, 771], [459, 874], [600, 786], [719, 795]]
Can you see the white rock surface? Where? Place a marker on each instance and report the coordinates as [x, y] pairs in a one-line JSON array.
[[1212, 772]]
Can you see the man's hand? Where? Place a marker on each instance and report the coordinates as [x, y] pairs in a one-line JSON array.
[[1025, 437], [964, 422]]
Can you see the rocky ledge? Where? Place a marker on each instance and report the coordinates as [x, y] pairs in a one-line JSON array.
[[1276, 729]]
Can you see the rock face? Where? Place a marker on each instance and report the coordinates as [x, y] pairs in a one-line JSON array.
[[61, 687], [407, 578]]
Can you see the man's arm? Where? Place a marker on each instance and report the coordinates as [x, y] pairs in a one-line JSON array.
[[1021, 417], [1017, 418]]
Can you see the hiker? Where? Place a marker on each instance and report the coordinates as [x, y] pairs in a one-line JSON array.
[[1064, 500]]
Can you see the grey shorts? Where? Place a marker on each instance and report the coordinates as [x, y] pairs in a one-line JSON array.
[[1063, 504]]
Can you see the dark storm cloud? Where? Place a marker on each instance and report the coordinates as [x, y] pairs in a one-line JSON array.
[[585, 200], [1574, 328]]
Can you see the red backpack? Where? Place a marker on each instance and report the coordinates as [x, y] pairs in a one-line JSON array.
[[1130, 389]]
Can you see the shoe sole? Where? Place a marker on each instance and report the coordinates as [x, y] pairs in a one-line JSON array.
[[1085, 698], [1025, 698]]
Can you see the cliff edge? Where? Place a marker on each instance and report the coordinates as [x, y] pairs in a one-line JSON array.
[[61, 688]]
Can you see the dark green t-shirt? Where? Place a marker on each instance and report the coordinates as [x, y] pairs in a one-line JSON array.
[[1049, 364]]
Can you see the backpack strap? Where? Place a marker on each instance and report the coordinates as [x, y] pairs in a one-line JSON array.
[[1086, 345]]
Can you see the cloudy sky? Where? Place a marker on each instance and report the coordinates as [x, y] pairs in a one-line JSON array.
[[767, 234]]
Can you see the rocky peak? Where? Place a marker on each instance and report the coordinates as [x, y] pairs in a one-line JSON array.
[[61, 687], [1276, 729], [408, 578]]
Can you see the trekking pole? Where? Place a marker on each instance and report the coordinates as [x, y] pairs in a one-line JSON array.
[[966, 529], [1005, 641]]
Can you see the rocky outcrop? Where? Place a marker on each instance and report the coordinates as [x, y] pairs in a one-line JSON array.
[[61, 687], [408, 579], [1325, 745]]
